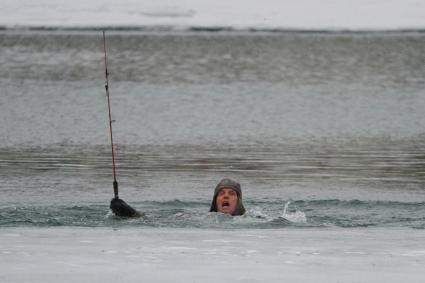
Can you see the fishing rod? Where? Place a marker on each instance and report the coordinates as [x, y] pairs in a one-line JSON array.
[[118, 206]]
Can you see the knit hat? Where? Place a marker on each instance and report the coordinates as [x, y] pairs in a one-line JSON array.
[[228, 183]]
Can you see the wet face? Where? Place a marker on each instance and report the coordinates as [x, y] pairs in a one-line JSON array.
[[227, 201]]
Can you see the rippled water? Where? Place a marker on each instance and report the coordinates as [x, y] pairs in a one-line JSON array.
[[332, 123]]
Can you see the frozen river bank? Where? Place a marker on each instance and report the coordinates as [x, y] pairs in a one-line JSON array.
[[196, 255]]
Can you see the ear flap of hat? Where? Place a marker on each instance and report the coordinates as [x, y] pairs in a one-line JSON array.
[[240, 209]]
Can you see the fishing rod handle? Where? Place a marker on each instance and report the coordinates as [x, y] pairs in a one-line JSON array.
[[115, 189]]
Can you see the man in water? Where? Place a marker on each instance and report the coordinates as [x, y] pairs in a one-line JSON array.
[[228, 198]]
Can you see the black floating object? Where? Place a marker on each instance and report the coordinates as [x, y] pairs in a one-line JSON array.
[[121, 208]]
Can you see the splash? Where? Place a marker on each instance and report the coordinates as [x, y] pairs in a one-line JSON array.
[[296, 217]]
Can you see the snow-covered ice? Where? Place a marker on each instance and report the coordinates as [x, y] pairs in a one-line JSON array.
[[200, 255], [238, 14]]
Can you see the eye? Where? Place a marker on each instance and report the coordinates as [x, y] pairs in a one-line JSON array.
[[232, 193]]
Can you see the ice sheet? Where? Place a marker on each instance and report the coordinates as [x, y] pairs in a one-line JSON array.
[[199, 255], [303, 14]]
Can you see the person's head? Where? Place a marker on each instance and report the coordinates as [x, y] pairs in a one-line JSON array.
[[228, 198]]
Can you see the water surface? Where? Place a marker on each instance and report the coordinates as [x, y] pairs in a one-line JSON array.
[[332, 123]]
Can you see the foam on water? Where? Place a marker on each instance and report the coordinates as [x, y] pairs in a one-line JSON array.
[[295, 217]]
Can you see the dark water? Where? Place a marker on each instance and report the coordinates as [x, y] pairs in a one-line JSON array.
[[332, 123], [264, 214]]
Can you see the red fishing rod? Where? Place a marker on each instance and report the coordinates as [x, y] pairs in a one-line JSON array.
[[118, 206], [110, 120]]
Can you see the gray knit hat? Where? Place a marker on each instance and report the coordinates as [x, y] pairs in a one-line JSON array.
[[228, 183]]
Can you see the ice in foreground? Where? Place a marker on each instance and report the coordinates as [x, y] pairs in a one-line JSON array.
[[196, 255]]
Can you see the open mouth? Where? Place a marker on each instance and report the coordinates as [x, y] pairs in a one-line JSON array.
[[225, 204]]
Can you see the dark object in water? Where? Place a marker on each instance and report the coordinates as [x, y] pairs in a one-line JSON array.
[[121, 208], [118, 206]]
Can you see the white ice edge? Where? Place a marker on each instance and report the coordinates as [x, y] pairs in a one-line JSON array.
[[237, 14], [68, 254]]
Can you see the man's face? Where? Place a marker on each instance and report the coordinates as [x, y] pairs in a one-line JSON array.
[[227, 200]]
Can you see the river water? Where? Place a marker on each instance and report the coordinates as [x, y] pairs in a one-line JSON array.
[[330, 125], [324, 131]]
